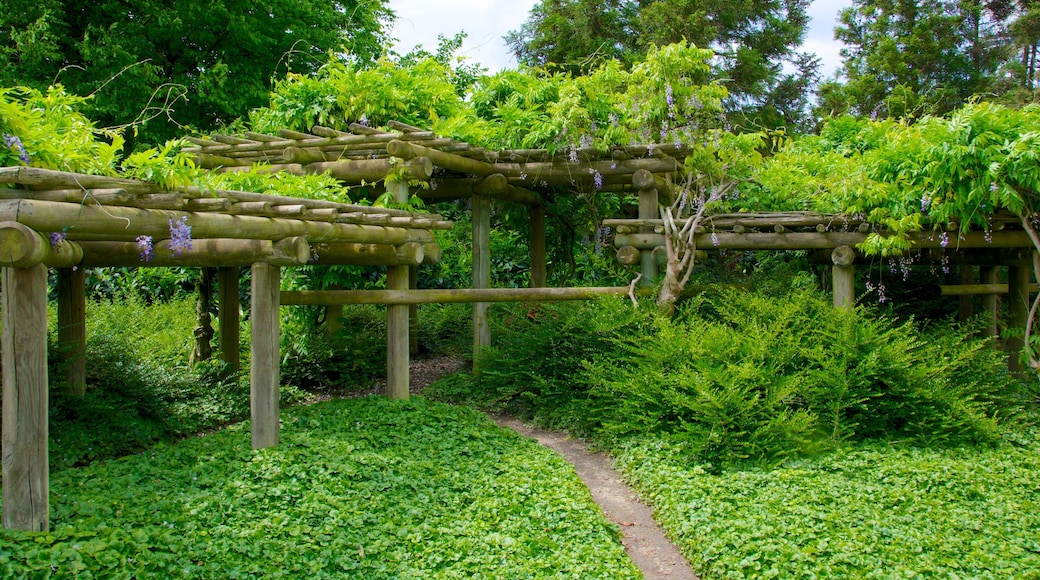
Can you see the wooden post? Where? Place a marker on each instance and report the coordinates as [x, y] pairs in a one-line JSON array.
[[481, 271], [990, 275], [648, 210], [965, 306], [204, 331], [538, 263], [397, 344], [1018, 311], [843, 275], [228, 313], [72, 328], [413, 313], [400, 191], [263, 371], [25, 471], [333, 312]]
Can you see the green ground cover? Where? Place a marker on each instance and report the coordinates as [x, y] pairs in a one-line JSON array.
[[873, 511], [366, 488]]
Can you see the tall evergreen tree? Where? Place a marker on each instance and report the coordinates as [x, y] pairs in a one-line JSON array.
[[909, 57]]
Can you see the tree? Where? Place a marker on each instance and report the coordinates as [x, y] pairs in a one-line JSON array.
[[172, 64], [753, 41], [910, 57], [575, 35]]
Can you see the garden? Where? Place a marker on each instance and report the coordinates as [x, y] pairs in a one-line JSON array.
[[784, 414]]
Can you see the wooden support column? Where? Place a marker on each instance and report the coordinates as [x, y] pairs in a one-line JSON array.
[[648, 210], [481, 271], [400, 191], [990, 275], [843, 275], [72, 328], [413, 313], [25, 470], [228, 318], [397, 343], [1018, 312], [965, 305], [263, 370], [333, 312], [538, 263]]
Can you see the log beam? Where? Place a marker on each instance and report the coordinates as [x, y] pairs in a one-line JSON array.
[[481, 271], [228, 318], [264, 365], [397, 358], [447, 296], [821, 241], [72, 328], [844, 277], [1018, 313], [24, 344], [126, 224], [215, 252]]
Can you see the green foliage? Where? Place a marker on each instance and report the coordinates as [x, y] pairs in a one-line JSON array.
[[352, 358], [753, 42], [140, 387], [907, 59], [519, 377], [740, 377], [368, 488], [878, 511], [162, 68], [54, 134]]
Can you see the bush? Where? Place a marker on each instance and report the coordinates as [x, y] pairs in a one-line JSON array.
[[754, 377], [140, 386], [741, 376]]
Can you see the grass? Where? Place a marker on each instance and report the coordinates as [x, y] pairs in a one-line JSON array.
[[872, 511], [367, 488]]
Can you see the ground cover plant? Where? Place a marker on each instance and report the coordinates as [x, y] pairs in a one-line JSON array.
[[874, 511], [363, 488]]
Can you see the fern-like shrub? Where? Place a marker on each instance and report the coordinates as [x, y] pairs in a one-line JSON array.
[[741, 376]]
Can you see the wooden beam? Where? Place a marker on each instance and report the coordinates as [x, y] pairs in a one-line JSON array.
[[25, 470], [72, 328], [481, 271], [365, 170], [1018, 313], [844, 277], [126, 224], [446, 296], [225, 253], [450, 161], [648, 209], [829, 240], [397, 359], [264, 365], [410, 254]]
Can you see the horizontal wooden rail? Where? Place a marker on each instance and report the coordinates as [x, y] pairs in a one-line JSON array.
[[445, 296], [977, 289]]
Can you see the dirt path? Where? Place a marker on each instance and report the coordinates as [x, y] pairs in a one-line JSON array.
[[643, 539]]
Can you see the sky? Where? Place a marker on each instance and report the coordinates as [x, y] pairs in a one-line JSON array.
[[487, 21]]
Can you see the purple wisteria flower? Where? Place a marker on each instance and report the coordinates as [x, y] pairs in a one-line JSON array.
[[597, 180], [13, 142], [56, 238], [144, 246], [180, 236], [714, 239], [944, 239]]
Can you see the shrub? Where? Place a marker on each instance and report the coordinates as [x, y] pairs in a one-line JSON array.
[[741, 376], [140, 386]]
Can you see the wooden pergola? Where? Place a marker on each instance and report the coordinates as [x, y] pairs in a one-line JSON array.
[[99, 220]]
